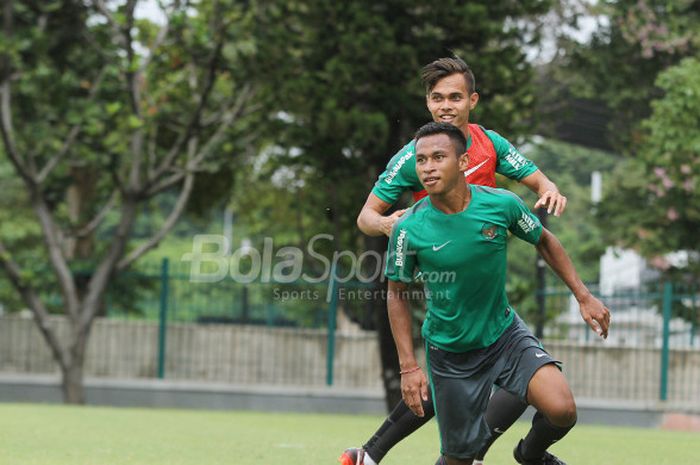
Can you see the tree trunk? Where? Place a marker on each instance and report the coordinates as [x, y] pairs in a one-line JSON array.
[[389, 357], [387, 349], [72, 382], [80, 194]]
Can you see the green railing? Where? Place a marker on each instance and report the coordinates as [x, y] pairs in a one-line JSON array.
[[659, 321], [167, 294], [653, 345], [158, 322]]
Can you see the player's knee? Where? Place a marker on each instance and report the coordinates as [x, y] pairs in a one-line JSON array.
[[564, 413], [569, 416]]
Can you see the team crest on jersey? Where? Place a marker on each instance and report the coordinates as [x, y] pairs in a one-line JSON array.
[[489, 231]]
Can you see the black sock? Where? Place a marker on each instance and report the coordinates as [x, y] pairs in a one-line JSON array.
[[400, 423], [501, 412], [542, 435]]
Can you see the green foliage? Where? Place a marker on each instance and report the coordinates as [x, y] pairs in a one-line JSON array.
[[662, 182], [73, 74], [344, 94], [642, 66], [20, 233], [619, 66], [348, 79]]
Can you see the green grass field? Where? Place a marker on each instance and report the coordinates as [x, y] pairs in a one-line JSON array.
[[57, 435]]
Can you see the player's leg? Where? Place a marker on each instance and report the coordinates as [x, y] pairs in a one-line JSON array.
[[400, 423], [461, 391], [533, 375], [502, 411], [550, 394]]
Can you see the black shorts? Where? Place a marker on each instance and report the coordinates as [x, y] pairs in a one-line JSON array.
[[461, 384]]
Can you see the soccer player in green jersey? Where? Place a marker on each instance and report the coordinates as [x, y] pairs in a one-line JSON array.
[[450, 96], [456, 238]]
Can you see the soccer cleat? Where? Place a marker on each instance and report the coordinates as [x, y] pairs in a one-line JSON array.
[[352, 456], [547, 458]]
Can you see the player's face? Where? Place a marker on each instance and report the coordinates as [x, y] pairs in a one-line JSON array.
[[450, 101], [437, 164]]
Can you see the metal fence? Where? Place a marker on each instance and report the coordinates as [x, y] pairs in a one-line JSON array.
[[159, 322], [652, 352]]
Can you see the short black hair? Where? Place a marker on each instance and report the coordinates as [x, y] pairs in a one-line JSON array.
[[459, 142], [443, 67]]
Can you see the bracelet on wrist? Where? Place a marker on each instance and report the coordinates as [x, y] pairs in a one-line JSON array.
[[409, 370]]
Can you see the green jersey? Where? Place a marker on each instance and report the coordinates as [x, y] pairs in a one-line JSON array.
[[489, 153], [462, 262]]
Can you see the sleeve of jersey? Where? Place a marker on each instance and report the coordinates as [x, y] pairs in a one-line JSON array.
[[510, 162], [398, 177], [400, 260], [523, 223]]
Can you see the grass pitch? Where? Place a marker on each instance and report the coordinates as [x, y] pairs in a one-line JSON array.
[[58, 435]]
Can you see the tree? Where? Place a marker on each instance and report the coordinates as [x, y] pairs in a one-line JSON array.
[[618, 67], [637, 67], [662, 181], [349, 83], [101, 114]]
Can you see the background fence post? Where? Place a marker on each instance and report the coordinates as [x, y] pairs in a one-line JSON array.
[[332, 315], [693, 316], [667, 305], [162, 324]]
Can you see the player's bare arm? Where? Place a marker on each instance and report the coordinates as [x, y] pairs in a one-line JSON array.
[[548, 193], [593, 311], [414, 384], [372, 220]]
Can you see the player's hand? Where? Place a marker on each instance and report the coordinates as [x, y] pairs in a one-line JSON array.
[[596, 315], [389, 220], [553, 201], [414, 390]]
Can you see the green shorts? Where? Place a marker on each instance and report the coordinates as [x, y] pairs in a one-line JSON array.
[[462, 382]]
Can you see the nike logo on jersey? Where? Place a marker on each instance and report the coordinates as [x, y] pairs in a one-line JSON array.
[[474, 168], [438, 247], [498, 431], [540, 355]]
